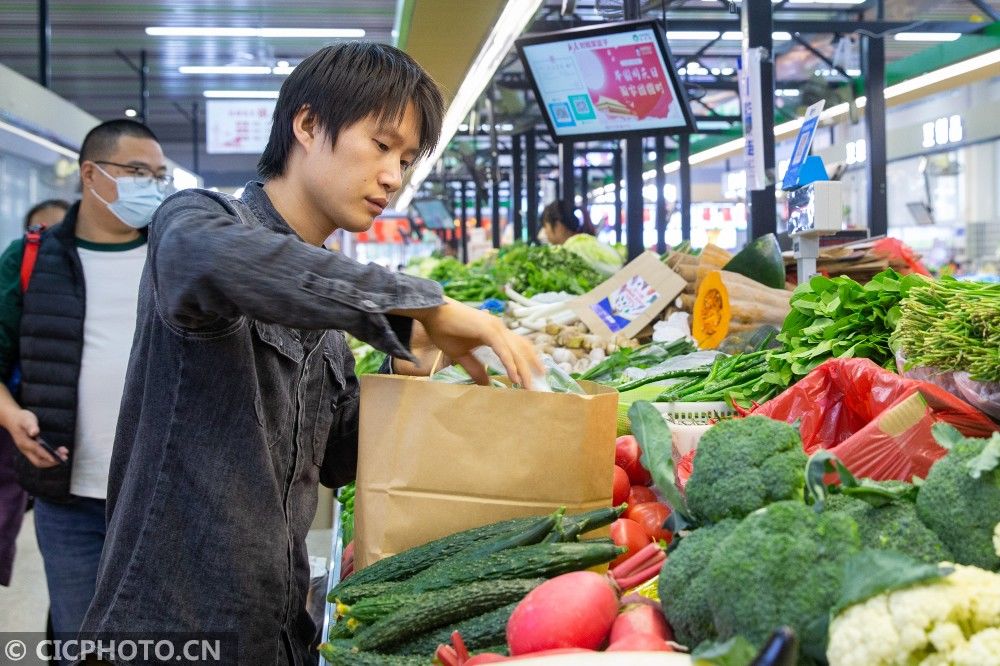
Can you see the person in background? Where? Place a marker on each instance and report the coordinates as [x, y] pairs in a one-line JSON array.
[[560, 222], [71, 331], [46, 214], [13, 498], [241, 393]]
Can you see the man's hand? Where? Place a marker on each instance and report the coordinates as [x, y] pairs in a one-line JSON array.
[[424, 351], [457, 329], [24, 431]]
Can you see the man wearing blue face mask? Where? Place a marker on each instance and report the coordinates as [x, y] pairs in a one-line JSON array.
[[71, 328]]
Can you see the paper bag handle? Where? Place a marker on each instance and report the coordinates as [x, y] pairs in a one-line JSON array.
[[434, 365]]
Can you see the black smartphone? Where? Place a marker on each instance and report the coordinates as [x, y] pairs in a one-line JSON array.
[[52, 452]]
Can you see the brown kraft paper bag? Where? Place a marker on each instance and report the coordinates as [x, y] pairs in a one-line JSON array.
[[437, 458]]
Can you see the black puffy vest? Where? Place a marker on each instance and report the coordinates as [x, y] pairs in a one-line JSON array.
[[51, 347]]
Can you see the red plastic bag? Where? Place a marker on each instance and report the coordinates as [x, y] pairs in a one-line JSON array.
[[876, 422]]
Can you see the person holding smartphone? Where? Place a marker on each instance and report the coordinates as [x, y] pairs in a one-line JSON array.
[[241, 393]]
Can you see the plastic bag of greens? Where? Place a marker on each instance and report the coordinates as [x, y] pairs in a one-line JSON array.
[[984, 396], [456, 374]]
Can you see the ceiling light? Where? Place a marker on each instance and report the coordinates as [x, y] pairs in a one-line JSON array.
[[732, 36], [927, 36], [171, 31], [41, 141], [241, 94], [224, 69], [283, 69], [512, 21], [826, 2], [130, 113], [781, 36], [943, 74]]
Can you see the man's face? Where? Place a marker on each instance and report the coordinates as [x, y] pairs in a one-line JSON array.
[[132, 156], [352, 182]]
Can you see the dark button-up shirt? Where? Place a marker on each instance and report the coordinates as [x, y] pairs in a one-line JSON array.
[[240, 396]]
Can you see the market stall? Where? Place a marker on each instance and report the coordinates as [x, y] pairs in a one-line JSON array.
[[777, 488]]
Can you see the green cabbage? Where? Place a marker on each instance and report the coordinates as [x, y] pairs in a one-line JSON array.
[[599, 256]]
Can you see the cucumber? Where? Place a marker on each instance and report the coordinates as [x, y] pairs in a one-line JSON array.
[[356, 593], [371, 609], [480, 632], [339, 629], [573, 526], [543, 560], [441, 608], [341, 653], [414, 560]]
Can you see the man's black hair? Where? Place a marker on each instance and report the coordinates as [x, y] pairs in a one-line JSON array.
[[42, 205], [101, 141], [348, 82]]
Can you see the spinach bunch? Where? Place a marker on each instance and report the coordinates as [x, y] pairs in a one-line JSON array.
[[839, 318]]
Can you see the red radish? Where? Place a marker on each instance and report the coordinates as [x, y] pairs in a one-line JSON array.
[[640, 494], [627, 454], [640, 619], [486, 658], [621, 487], [573, 610], [639, 643], [493, 657], [628, 533], [652, 516]]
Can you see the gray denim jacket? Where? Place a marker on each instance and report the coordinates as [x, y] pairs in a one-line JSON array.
[[238, 399]]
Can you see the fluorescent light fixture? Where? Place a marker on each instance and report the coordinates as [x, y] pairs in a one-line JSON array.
[[283, 68], [130, 113], [513, 19], [224, 69], [781, 36], [241, 94], [937, 76], [34, 138], [732, 36], [788, 92], [927, 36], [334, 33], [693, 35]]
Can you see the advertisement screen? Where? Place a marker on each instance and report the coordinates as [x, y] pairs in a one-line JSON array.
[[605, 81], [238, 125]]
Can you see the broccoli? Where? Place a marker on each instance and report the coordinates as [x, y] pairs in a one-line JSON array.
[[782, 565], [960, 500], [742, 465], [893, 526], [682, 587]]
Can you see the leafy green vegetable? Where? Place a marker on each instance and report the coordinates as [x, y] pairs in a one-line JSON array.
[[346, 499], [534, 269], [597, 255], [737, 651], [838, 318], [656, 444], [874, 572]]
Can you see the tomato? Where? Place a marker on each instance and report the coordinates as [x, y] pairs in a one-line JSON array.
[[627, 454], [651, 516], [621, 487], [628, 533], [640, 494]]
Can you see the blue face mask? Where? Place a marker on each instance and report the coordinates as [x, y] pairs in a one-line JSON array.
[[137, 199]]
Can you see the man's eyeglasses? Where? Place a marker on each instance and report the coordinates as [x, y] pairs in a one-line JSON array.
[[142, 174]]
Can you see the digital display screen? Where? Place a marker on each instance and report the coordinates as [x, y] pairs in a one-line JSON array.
[[605, 81], [434, 214]]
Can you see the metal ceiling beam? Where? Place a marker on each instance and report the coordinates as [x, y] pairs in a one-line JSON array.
[[805, 26]]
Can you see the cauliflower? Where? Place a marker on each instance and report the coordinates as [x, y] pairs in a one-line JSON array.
[[951, 621], [742, 465]]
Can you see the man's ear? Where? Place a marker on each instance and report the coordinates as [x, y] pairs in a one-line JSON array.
[[88, 173], [304, 126]]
